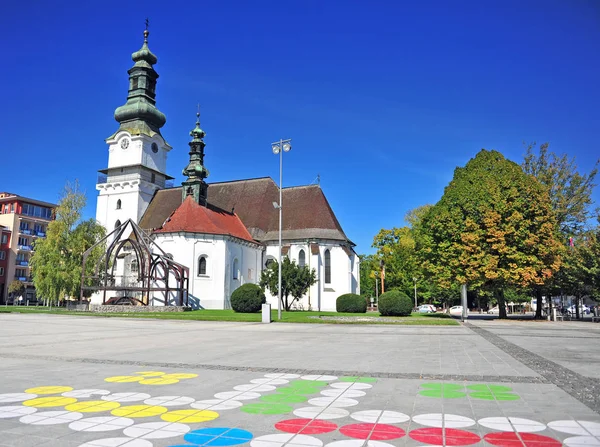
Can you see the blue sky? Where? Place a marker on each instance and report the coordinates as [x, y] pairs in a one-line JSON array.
[[383, 99]]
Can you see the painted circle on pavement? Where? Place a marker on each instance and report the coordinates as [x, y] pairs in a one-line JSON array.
[[123, 379], [257, 388], [218, 436], [351, 386], [583, 441], [335, 402], [321, 413], [443, 420], [583, 428], [282, 376], [86, 393], [323, 378], [287, 439], [156, 430], [358, 379], [266, 408], [268, 381], [190, 416], [377, 432], [15, 411], [216, 404], [92, 406], [357, 443], [169, 401], [512, 439], [139, 411], [284, 398], [494, 396], [298, 390], [444, 436], [117, 442], [150, 373], [510, 424], [126, 397], [51, 417], [237, 395], [47, 402], [342, 393], [443, 393], [180, 376], [378, 416], [490, 388], [306, 426], [16, 397], [158, 381], [48, 389], [99, 424]]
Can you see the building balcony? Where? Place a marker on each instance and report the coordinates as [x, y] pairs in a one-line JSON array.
[[39, 233], [22, 263], [24, 278], [25, 248], [25, 231]]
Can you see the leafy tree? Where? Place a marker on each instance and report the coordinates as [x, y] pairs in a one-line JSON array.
[[16, 288], [494, 227], [58, 258], [369, 266], [295, 281]]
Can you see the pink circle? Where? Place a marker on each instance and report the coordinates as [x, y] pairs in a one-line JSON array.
[[306, 426], [373, 432], [512, 439], [444, 436]]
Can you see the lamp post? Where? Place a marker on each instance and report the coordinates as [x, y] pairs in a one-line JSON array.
[[415, 281], [279, 147]]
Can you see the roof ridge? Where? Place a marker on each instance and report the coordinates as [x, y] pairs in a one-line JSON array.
[[244, 180]]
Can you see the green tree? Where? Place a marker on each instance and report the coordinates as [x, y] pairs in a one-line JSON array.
[[494, 227], [58, 258], [295, 281], [369, 266], [16, 288]]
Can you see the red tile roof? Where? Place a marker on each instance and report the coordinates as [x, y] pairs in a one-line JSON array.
[[190, 217]]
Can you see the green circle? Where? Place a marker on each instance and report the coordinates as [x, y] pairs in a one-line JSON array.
[[490, 388], [358, 379], [442, 386], [494, 396], [292, 390], [284, 398], [266, 408], [307, 384], [445, 394]]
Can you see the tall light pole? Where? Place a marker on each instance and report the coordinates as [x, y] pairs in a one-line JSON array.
[[415, 280], [279, 147]]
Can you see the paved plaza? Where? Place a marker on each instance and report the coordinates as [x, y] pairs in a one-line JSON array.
[[89, 381]]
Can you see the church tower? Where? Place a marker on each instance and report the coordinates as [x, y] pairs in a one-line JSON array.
[[137, 152], [195, 171]]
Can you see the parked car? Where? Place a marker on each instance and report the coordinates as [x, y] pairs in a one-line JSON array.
[[582, 310], [456, 311], [495, 310], [426, 309]]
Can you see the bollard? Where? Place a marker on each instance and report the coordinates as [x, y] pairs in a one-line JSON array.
[[266, 313]]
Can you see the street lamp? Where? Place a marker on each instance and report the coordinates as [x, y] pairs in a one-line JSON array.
[[279, 147], [415, 280]]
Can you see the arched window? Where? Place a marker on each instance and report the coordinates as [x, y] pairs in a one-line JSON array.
[[117, 224], [301, 258], [236, 269], [119, 204], [327, 267], [135, 267], [202, 266], [268, 262]]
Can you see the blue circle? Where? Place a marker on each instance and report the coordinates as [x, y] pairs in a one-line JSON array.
[[218, 436]]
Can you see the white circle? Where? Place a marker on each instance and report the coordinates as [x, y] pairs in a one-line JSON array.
[[126, 397], [576, 441], [102, 423], [254, 387], [334, 402], [512, 424], [237, 395], [321, 413], [86, 393], [118, 442], [156, 430], [51, 417], [16, 411], [288, 439], [169, 401], [380, 417], [216, 404], [282, 376], [319, 377], [270, 381], [16, 397], [342, 393], [583, 428], [443, 420], [357, 443], [351, 385]]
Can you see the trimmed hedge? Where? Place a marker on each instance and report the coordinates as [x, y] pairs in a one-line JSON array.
[[248, 298], [351, 303], [395, 303]]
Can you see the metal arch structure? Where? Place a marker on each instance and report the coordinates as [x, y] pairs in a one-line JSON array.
[[156, 270]]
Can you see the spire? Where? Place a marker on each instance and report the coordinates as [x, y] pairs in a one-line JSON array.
[[139, 114], [195, 171]]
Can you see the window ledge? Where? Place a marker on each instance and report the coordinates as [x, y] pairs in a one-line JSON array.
[[203, 276], [328, 289]]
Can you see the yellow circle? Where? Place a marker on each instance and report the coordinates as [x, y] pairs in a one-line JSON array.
[[179, 376], [92, 406], [138, 411], [150, 373], [158, 381], [49, 389], [46, 402], [190, 416], [123, 379]]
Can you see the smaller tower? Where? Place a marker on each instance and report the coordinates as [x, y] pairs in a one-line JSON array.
[[195, 171]]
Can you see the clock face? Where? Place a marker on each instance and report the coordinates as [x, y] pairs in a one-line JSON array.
[[124, 143], [154, 148]]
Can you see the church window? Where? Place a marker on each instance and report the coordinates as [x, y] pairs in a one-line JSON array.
[[135, 267], [202, 266], [236, 268], [327, 267], [301, 258], [119, 204], [117, 224], [269, 262], [153, 178]]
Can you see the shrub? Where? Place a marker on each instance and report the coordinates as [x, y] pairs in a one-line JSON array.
[[351, 303], [248, 298], [395, 303]]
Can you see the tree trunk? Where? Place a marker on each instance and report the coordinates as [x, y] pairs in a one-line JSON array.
[[577, 307], [499, 294], [538, 307]]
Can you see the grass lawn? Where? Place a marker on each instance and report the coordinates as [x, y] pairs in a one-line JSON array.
[[230, 315]]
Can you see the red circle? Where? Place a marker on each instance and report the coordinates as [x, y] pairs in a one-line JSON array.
[[512, 439], [306, 426], [452, 436], [374, 432]]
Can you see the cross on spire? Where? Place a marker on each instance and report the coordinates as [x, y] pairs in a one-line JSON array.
[[147, 23]]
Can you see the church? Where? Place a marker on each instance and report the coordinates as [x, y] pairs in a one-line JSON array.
[[225, 233]]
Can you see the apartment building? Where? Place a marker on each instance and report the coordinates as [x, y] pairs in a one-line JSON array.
[[22, 222]]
